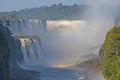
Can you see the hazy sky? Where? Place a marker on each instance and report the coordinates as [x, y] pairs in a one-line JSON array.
[[10, 5]]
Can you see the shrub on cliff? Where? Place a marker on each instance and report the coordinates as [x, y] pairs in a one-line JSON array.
[[111, 59]]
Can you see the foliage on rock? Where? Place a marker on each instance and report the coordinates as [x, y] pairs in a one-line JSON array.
[[111, 59]]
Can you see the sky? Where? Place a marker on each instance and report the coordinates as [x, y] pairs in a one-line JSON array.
[[15, 5]]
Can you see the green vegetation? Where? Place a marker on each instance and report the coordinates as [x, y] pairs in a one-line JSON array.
[[111, 59], [10, 17], [53, 12], [4, 57], [13, 18]]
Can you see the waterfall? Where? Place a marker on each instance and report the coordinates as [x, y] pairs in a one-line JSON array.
[[32, 51], [60, 25], [27, 27], [54, 42], [30, 33]]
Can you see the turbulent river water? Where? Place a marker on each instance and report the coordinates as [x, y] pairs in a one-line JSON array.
[[49, 73]]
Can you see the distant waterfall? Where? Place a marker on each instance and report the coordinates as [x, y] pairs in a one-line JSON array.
[[30, 33], [28, 27], [61, 25]]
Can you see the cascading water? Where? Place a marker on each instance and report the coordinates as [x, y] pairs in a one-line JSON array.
[[30, 33], [32, 51], [61, 25], [53, 43], [28, 27]]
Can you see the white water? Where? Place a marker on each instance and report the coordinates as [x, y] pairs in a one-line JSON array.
[[61, 42], [32, 51]]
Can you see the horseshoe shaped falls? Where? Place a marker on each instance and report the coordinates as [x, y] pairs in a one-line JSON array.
[[57, 42]]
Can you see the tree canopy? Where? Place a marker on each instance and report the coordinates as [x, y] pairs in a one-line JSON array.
[[55, 11]]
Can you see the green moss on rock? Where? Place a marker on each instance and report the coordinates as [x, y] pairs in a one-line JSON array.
[[111, 59]]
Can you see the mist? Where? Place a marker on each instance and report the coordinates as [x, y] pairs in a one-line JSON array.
[[69, 47]]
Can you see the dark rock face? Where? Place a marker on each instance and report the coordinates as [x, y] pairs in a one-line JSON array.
[[4, 57], [101, 55], [9, 58], [16, 72]]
